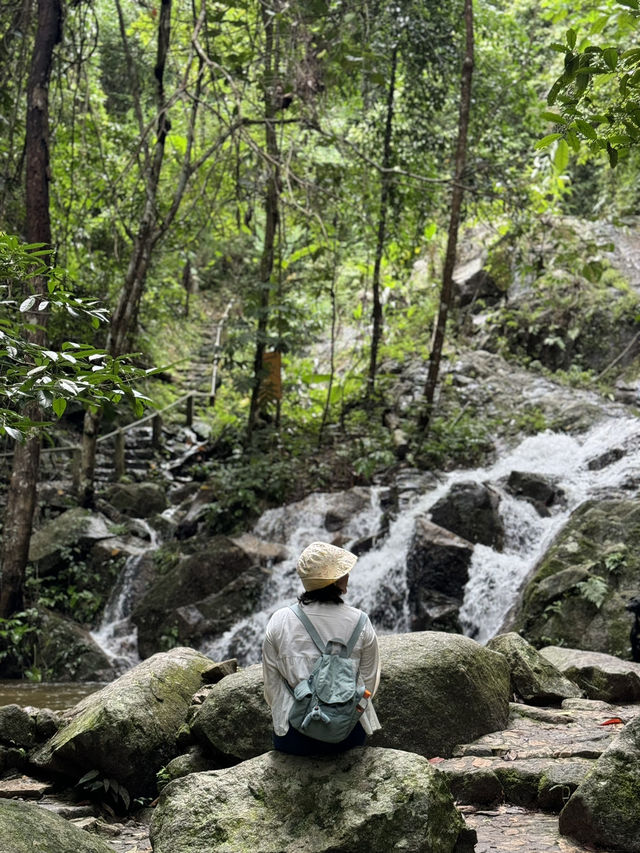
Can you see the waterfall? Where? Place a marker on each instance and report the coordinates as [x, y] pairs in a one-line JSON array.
[[604, 459], [116, 634]]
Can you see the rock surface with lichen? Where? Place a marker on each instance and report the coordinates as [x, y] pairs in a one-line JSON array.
[[365, 801], [127, 731]]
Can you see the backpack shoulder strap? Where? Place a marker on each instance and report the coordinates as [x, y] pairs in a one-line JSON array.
[[309, 626], [353, 639]]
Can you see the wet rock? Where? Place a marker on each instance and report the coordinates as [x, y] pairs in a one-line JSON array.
[[604, 809], [540, 491], [600, 676], [68, 652], [343, 506], [26, 828], [578, 593], [261, 553], [605, 459], [215, 614], [190, 581], [128, 729], [471, 510], [437, 572], [193, 761], [137, 500], [533, 678], [472, 282], [372, 800]]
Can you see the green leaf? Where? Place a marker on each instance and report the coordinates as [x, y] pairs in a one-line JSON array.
[[585, 128], [556, 118], [613, 155], [546, 141], [561, 156], [571, 38], [27, 304], [15, 434], [610, 56], [573, 140], [59, 405]]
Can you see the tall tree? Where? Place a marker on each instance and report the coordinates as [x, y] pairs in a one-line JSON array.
[[271, 198], [21, 496], [457, 195]]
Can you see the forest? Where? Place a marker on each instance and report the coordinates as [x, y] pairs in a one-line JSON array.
[[349, 270]]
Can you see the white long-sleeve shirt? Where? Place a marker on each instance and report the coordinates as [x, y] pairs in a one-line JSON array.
[[289, 654]]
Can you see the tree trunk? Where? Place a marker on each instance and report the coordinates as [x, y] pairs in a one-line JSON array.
[[457, 194], [125, 316], [385, 195], [271, 203], [21, 496]]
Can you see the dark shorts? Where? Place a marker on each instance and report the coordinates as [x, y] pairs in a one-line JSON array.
[[295, 743]]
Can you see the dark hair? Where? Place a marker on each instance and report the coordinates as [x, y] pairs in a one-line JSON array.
[[331, 593]]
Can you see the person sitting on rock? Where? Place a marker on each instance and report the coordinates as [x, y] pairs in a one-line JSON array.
[[289, 653]]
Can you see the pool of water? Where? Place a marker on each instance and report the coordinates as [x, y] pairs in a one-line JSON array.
[[45, 695]]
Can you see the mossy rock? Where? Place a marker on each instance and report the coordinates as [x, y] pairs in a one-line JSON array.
[[578, 594], [25, 828], [365, 801], [128, 730], [604, 809]]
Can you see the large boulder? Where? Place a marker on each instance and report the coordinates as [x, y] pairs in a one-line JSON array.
[[600, 676], [578, 593], [234, 719], [436, 690], [204, 573], [127, 731], [604, 810], [25, 828], [365, 801], [471, 510], [533, 678], [437, 572], [75, 530]]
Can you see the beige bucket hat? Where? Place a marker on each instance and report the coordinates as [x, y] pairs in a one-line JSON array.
[[320, 564]]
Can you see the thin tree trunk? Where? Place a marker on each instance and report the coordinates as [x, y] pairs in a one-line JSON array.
[[271, 204], [125, 316], [21, 496], [385, 195], [457, 194]]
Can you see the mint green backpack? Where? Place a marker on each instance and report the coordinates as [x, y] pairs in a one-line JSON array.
[[325, 703]]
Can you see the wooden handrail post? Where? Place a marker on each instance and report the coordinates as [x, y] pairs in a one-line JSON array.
[[118, 458], [190, 410], [156, 431]]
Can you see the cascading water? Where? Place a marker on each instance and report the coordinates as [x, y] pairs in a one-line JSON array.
[[116, 635], [578, 464]]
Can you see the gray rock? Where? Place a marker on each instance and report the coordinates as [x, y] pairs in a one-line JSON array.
[[76, 528], [262, 553], [366, 801], [600, 676], [436, 690], [578, 593], [471, 510], [68, 652], [17, 727], [234, 719], [604, 809], [201, 574], [533, 678], [437, 572], [138, 500], [128, 729], [535, 488], [25, 828], [342, 506]]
